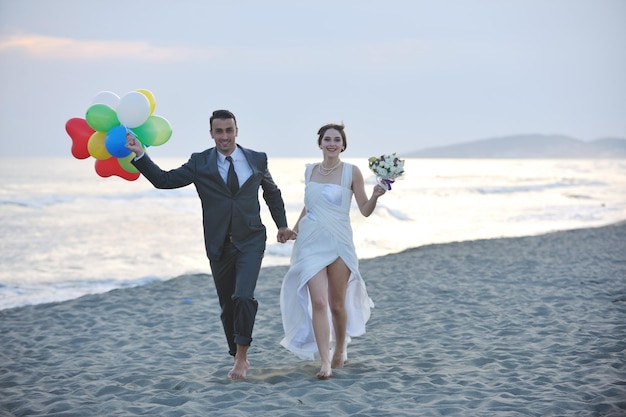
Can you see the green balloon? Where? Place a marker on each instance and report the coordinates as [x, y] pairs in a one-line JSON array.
[[101, 118], [154, 132], [126, 164]]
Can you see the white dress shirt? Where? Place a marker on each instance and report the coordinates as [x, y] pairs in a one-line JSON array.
[[242, 168]]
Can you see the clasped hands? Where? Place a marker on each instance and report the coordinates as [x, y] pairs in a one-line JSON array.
[[285, 234]]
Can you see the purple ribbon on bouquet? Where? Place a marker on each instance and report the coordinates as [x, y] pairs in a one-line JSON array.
[[386, 181]]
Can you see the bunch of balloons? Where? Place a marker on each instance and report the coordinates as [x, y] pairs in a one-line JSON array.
[[102, 133]]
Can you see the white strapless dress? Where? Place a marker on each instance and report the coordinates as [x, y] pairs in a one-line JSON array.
[[324, 235]]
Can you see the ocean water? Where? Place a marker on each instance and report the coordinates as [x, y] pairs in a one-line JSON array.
[[67, 232]]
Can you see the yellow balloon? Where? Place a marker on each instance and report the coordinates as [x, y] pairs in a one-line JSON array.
[[96, 147], [150, 98]]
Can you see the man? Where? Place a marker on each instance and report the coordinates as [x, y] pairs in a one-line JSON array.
[[234, 236]]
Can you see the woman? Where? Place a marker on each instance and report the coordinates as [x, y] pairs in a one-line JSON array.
[[323, 282]]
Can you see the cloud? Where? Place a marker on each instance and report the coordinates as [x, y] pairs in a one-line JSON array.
[[374, 56], [49, 47]]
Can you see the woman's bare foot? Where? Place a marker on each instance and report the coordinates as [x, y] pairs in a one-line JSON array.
[[325, 372], [338, 360], [239, 369]]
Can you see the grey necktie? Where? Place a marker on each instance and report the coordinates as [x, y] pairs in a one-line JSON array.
[[231, 180]]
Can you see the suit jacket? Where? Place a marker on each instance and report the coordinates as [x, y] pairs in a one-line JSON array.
[[219, 204]]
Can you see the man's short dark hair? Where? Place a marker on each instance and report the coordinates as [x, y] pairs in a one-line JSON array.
[[221, 114]]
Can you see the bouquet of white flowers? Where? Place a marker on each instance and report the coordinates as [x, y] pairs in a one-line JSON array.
[[386, 168]]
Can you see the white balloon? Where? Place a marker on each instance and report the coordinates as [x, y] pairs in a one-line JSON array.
[[106, 97], [133, 109]]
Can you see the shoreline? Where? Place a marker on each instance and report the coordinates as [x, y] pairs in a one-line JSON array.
[[149, 280]]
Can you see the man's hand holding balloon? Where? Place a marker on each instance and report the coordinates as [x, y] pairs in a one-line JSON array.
[[133, 144]]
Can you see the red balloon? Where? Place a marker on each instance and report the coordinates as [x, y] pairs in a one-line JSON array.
[[109, 167], [80, 132]]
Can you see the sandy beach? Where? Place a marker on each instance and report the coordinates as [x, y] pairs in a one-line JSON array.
[[531, 326]]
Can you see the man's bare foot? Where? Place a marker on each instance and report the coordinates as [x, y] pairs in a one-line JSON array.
[[325, 372], [338, 361], [239, 370]]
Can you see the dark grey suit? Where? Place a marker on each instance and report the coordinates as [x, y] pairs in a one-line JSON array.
[[236, 258]]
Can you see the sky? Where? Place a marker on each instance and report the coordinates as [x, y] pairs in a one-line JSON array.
[[401, 75]]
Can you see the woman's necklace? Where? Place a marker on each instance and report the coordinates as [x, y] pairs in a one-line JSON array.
[[327, 171]]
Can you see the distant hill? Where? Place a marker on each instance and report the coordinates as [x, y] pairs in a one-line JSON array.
[[529, 146]]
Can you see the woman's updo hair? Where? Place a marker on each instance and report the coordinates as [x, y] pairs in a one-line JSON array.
[[322, 132]]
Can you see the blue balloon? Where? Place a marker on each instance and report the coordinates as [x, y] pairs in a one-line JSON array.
[[115, 142]]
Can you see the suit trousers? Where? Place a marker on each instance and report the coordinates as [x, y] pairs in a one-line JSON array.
[[235, 275]]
